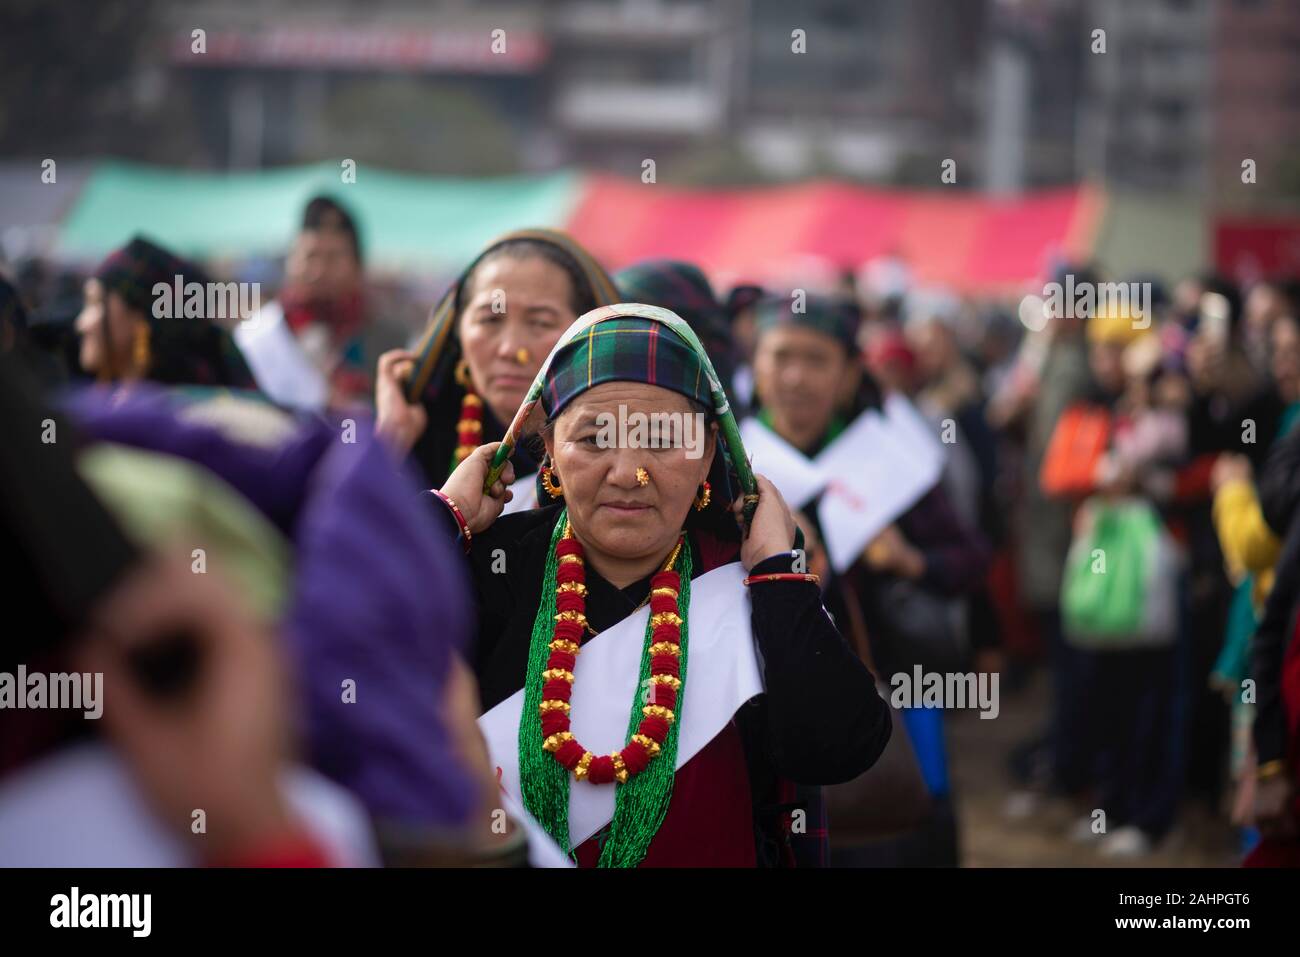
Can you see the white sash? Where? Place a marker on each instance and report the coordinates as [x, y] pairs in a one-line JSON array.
[[525, 489], [279, 365], [722, 673], [873, 472]]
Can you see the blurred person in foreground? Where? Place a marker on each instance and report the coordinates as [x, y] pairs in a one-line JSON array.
[[316, 345], [1271, 773], [94, 601], [335, 573]]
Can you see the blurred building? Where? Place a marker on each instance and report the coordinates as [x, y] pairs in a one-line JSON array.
[[1255, 99], [1187, 90], [451, 86], [769, 89], [1015, 92], [1147, 119]]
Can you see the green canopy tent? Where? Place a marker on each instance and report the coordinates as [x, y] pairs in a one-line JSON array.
[[406, 221]]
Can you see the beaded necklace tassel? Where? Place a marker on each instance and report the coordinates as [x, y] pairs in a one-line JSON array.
[[469, 429], [641, 803], [548, 751], [543, 782]]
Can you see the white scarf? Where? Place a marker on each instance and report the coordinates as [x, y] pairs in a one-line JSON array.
[[279, 365], [722, 673], [878, 468]]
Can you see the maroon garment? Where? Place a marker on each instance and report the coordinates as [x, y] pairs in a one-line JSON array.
[[710, 817]]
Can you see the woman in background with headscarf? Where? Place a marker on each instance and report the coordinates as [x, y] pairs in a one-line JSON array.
[[811, 391], [123, 337], [486, 339]]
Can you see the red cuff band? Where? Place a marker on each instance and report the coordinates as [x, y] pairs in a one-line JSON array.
[[465, 535]]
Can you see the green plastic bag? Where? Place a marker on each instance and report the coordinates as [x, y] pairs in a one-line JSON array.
[[1119, 587]]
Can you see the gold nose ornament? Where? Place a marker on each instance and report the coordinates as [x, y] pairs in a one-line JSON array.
[[522, 356], [642, 477]]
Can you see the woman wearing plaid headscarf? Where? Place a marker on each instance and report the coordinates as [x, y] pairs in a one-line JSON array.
[[485, 341], [735, 676]]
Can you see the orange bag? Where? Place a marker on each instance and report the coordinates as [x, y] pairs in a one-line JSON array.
[[1077, 445]]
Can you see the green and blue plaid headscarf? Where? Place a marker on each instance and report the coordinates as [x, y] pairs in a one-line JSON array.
[[670, 356], [683, 288], [625, 349], [830, 316]]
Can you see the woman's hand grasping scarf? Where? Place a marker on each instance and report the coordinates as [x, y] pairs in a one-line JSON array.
[[772, 530], [465, 487]]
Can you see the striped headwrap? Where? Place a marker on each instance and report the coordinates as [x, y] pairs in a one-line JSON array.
[[439, 349], [625, 349], [831, 316]]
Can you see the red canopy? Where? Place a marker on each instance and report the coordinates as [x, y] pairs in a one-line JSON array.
[[1254, 248], [968, 242]]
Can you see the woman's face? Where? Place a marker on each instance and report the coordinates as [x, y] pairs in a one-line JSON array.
[[323, 263], [107, 326], [611, 512], [515, 311], [801, 376]]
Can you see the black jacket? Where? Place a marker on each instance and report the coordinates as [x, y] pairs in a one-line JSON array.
[[821, 720]]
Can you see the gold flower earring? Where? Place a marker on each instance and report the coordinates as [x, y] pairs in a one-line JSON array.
[[553, 488]]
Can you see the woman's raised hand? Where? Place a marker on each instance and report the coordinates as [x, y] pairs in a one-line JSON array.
[[772, 530], [400, 422], [465, 487]]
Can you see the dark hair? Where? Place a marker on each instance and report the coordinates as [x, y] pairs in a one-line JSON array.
[[325, 213], [582, 298]]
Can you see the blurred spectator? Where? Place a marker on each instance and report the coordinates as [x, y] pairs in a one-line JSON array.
[[130, 330], [317, 345]]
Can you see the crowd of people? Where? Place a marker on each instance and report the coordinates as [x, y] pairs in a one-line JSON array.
[[348, 589]]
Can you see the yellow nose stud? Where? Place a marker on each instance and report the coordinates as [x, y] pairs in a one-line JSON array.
[[642, 477]]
